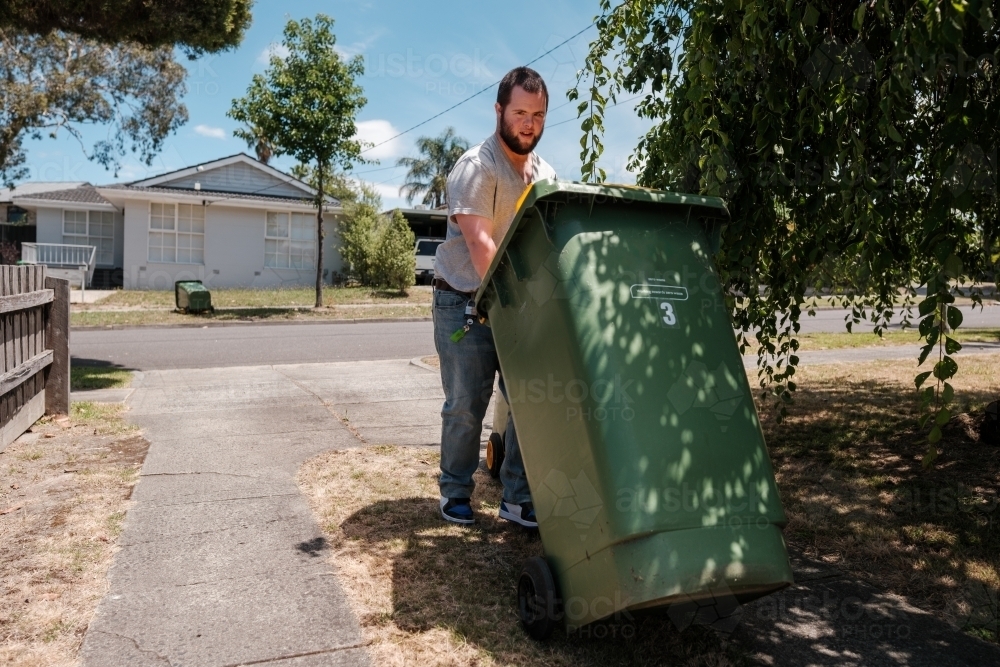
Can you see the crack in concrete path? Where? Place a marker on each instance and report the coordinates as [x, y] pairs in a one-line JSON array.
[[306, 654], [198, 472], [326, 404], [161, 658]]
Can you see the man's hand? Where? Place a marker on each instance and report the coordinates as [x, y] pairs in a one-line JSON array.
[[478, 233]]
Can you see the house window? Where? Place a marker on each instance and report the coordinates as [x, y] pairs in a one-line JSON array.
[[96, 228], [290, 241], [177, 233]]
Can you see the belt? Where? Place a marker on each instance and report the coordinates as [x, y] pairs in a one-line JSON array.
[[441, 284]]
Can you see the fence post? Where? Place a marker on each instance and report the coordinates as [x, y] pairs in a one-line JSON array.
[[57, 340]]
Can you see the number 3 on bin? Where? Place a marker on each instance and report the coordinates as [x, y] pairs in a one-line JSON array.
[[667, 310]]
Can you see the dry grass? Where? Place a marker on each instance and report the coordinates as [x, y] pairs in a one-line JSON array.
[[432, 593], [848, 465], [64, 490]]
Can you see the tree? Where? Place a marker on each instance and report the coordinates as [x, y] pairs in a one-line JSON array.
[[428, 175], [852, 141], [62, 81], [306, 104], [198, 26], [338, 185]]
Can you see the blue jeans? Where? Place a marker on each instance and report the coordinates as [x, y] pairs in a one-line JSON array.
[[468, 369]]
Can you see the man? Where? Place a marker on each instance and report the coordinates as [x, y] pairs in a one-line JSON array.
[[483, 190]]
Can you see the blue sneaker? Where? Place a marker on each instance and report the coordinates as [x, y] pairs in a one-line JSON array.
[[457, 510], [520, 514]]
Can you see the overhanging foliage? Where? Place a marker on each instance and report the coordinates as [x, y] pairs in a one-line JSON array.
[[198, 26], [856, 144]]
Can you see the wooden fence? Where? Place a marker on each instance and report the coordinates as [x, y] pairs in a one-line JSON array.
[[34, 330]]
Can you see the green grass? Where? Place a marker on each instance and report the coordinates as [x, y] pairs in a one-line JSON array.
[[104, 318], [283, 297], [836, 341], [107, 417], [82, 378]]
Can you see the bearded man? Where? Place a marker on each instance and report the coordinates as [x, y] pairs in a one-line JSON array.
[[483, 190]]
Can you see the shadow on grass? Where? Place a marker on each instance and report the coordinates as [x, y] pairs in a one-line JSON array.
[[848, 465], [97, 375], [465, 581]]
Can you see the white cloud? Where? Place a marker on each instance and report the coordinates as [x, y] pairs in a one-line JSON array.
[[274, 48], [348, 51], [380, 132], [209, 131]]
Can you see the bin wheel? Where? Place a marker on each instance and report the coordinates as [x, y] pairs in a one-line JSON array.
[[494, 454], [537, 598]]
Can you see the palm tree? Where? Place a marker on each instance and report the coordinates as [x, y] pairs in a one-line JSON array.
[[428, 175]]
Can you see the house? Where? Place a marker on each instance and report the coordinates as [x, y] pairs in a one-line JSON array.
[[231, 222], [17, 224]]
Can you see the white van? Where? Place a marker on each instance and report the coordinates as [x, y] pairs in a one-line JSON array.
[[425, 249]]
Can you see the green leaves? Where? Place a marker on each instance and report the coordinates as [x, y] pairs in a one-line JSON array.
[[811, 17], [64, 82], [197, 26], [854, 152], [306, 103]]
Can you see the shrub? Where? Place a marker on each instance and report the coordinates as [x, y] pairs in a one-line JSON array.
[[394, 261], [358, 231], [377, 250]]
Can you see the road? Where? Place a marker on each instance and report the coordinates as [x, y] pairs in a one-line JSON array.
[[250, 345]]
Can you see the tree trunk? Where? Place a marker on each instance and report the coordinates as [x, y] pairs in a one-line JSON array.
[[319, 236]]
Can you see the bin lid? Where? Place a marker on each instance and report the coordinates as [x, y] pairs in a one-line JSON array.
[[551, 189]]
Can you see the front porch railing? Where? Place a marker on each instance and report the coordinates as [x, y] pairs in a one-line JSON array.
[[63, 257]]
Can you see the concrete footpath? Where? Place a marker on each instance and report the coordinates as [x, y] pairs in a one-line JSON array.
[[221, 561]]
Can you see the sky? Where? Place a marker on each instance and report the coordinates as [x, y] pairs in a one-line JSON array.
[[419, 59]]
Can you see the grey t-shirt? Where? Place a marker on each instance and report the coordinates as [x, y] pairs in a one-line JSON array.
[[484, 183]]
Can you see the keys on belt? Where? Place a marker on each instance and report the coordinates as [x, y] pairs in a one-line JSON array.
[[438, 283]]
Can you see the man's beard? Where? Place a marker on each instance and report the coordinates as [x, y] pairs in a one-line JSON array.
[[513, 140]]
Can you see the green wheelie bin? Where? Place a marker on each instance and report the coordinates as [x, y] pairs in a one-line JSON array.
[[647, 465], [191, 296]]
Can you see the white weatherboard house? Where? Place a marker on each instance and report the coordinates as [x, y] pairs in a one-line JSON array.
[[232, 222]]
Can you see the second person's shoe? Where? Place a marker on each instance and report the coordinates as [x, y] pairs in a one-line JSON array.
[[519, 514]]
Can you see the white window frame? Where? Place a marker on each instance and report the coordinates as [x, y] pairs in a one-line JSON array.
[[291, 250], [87, 237], [178, 234]]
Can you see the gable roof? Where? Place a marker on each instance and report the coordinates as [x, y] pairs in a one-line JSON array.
[[213, 195], [32, 188], [231, 168], [85, 194]]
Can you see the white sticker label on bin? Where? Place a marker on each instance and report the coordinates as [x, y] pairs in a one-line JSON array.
[[659, 291]]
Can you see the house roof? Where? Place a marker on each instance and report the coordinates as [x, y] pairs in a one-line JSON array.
[[84, 194], [33, 188], [164, 179], [213, 195]]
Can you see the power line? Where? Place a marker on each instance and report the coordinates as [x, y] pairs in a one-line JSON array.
[[398, 166], [458, 104], [569, 120]]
